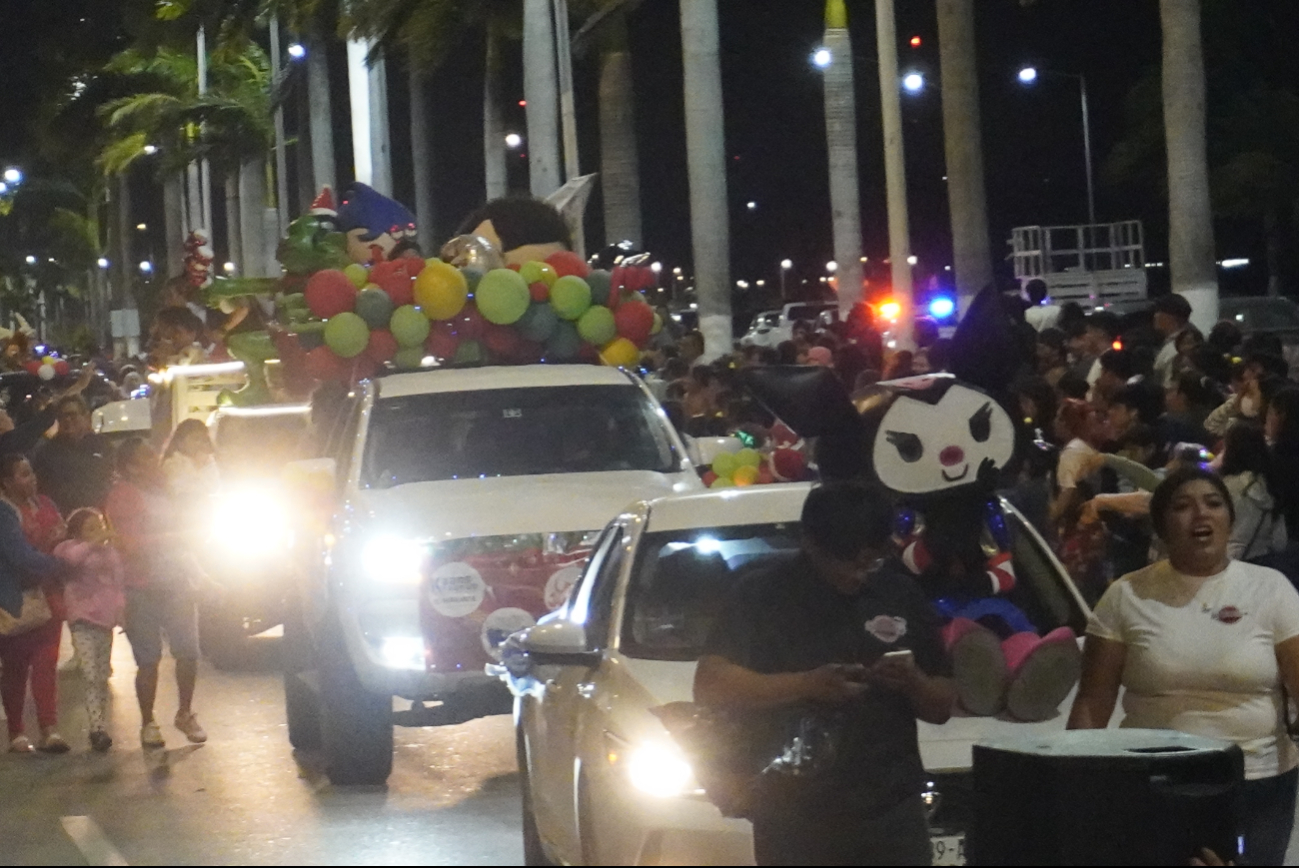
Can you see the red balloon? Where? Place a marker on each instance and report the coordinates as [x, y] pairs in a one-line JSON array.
[[709, 478], [442, 342], [635, 321], [789, 465], [396, 277], [566, 263], [330, 293], [501, 340], [382, 346], [528, 352], [32, 366], [540, 291], [325, 365], [470, 323], [362, 368], [61, 367]]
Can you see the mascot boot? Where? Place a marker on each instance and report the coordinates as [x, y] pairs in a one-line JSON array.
[[1025, 675]]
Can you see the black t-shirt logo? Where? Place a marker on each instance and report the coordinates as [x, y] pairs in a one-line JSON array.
[[887, 628]]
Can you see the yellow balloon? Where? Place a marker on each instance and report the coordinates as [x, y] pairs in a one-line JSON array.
[[358, 274], [620, 353], [441, 290], [745, 475]]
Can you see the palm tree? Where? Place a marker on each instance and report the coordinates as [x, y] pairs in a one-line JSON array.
[[841, 142], [619, 154], [963, 136], [706, 159], [1190, 218], [541, 91]]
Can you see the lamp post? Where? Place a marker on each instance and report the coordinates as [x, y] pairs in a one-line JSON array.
[[785, 266], [1028, 76]]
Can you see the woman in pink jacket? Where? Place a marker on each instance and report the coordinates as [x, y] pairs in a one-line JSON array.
[[95, 596]]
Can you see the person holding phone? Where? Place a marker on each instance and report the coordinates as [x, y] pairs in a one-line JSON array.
[[841, 632]]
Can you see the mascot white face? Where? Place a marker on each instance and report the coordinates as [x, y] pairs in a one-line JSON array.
[[928, 446]]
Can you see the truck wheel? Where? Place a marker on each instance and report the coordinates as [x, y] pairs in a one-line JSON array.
[[534, 853], [301, 705], [356, 725], [221, 638]]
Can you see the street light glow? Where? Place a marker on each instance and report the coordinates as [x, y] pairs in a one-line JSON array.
[[146, 267], [1028, 75], [30, 260], [297, 51], [142, 227], [913, 82], [912, 260], [832, 267], [656, 267], [102, 262], [13, 175], [786, 264], [513, 140], [150, 150], [752, 206], [822, 58]]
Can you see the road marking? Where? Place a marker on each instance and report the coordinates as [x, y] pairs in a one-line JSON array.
[[94, 845]]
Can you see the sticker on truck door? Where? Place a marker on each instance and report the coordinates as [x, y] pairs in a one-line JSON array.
[[456, 590]]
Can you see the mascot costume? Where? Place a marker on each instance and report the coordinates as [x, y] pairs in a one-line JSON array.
[[940, 444]]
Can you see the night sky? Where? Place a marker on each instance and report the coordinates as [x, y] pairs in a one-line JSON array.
[[775, 127]]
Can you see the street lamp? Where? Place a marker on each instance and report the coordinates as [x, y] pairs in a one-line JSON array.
[[785, 266], [30, 260], [832, 266], [513, 140], [146, 267], [13, 176], [1028, 76], [296, 51], [913, 82], [150, 150], [102, 262], [822, 58]]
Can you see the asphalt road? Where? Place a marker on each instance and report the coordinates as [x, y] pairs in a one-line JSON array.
[[245, 797]]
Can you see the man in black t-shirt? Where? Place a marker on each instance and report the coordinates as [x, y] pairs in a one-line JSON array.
[[839, 633], [75, 469]]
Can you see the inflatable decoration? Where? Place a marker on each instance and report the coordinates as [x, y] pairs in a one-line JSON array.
[[198, 258], [940, 444], [377, 228], [472, 251]]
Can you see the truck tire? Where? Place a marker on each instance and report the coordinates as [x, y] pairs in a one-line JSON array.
[[301, 704], [356, 725], [221, 638]]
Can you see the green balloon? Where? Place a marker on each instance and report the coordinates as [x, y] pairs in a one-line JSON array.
[[748, 457], [469, 353], [538, 324], [347, 335], [374, 306], [725, 464], [410, 358], [409, 326], [597, 326], [570, 297], [502, 296], [600, 282], [564, 343]]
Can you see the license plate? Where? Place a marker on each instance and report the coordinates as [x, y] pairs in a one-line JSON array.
[[948, 849]]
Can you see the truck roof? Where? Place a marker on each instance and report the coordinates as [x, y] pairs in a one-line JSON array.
[[498, 377]]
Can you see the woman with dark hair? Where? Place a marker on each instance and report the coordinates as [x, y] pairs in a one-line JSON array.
[[189, 462], [1259, 528], [30, 526], [1203, 644], [1281, 428], [1081, 545]]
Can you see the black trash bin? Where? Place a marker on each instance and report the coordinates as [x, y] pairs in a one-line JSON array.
[[1104, 797]]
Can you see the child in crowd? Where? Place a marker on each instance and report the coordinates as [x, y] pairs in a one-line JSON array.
[[96, 598]]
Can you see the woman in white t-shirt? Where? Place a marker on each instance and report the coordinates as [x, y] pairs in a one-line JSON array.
[[1203, 644]]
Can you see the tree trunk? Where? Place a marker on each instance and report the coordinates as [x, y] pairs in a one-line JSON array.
[[541, 90], [495, 172], [234, 227], [173, 220], [619, 155], [1190, 218], [567, 102], [252, 210], [963, 135], [706, 159], [322, 119], [895, 176], [1272, 238], [841, 146], [421, 154]]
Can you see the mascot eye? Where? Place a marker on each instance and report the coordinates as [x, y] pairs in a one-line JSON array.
[[908, 445], [981, 424]]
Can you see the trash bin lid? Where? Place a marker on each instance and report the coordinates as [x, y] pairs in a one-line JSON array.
[[1129, 743]]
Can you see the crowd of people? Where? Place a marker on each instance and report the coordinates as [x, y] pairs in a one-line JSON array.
[[91, 536]]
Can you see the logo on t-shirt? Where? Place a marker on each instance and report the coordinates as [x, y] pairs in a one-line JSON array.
[[1228, 615], [887, 628]]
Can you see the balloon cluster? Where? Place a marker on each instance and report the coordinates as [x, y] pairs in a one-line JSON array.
[[751, 467], [352, 321], [48, 367]]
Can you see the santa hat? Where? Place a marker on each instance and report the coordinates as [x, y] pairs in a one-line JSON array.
[[323, 205]]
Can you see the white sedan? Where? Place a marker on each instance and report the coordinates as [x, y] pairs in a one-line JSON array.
[[603, 782]]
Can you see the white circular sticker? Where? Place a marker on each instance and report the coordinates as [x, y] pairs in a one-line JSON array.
[[498, 626], [456, 590], [559, 584]]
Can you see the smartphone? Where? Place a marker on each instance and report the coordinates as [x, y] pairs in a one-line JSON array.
[[903, 654]]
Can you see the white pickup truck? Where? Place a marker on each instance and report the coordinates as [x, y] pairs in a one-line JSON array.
[[462, 506]]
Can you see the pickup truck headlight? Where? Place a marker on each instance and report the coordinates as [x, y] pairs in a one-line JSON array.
[[394, 560], [248, 524]]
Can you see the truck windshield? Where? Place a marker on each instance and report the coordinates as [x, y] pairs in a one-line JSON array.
[[514, 432]]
